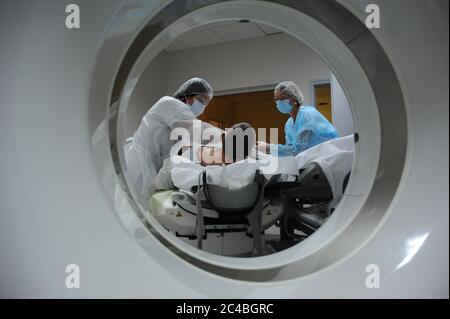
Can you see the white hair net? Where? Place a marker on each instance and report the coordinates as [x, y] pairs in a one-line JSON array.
[[290, 89], [194, 86]]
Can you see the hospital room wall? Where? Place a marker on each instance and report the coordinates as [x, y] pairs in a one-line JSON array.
[[249, 63], [149, 89], [340, 110]]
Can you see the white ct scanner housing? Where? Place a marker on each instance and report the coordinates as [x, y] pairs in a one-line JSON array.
[[64, 193]]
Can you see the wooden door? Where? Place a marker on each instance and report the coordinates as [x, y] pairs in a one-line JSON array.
[[323, 100], [256, 108]]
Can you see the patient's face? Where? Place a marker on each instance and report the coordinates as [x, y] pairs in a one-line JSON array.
[[210, 155]]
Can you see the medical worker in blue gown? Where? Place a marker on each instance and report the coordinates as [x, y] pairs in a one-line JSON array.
[[306, 126]]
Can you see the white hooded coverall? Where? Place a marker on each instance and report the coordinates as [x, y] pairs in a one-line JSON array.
[[151, 144]]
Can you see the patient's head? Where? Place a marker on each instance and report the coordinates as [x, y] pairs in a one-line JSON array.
[[237, 144]]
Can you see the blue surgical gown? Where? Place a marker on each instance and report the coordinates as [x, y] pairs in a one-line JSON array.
[[309, 129]]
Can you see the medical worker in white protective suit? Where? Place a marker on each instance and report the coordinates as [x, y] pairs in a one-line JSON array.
[[151, 142]]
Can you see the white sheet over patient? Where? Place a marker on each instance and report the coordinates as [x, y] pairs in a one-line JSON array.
[[182, 173], [335, 157]]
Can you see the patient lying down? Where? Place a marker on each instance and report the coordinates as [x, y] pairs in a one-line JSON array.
[[230, 165], [234, 164]]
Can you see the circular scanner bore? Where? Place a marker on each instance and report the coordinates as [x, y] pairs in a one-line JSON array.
[[320, 25]]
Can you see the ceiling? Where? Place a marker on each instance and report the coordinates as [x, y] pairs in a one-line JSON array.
[[220, 32]]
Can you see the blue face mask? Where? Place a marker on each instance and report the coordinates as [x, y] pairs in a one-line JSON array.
[[284, 106], [198, 107]]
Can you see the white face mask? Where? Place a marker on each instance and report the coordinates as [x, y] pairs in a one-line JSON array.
[[198, 107]]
